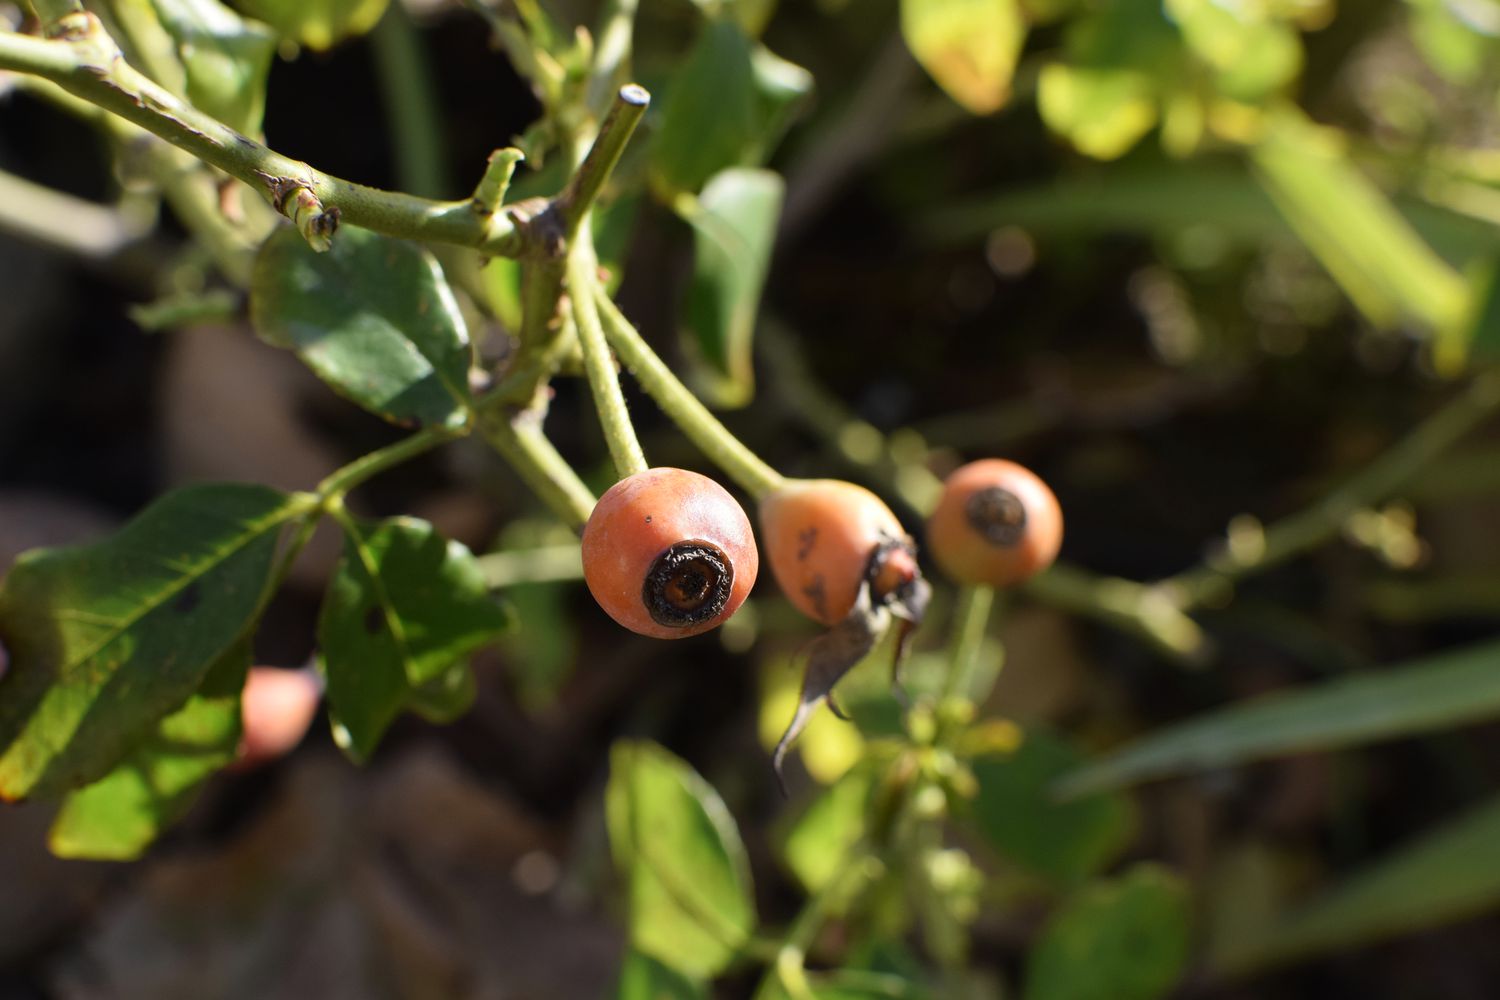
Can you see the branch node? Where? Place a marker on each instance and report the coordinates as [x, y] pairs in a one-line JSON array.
[[298, 202], [542, 227], [76, 26]]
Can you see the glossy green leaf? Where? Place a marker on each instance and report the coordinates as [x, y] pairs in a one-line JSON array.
[[687, 879], [1433, 693], [734, 229], [1019, 815], [107, 639], [120, 815], [644, 978], [373, 317], [1120, 939], [726, 106], [1354, 230], [404, 610], [969, 47], [820, 839], [317, 24], [1449, 873], [226, 59]]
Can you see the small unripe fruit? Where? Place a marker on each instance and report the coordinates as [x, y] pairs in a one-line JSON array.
[[996, 524], [669, 553], [276, 708], [824, 536]]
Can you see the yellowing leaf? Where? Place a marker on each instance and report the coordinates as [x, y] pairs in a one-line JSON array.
[[969, 47]]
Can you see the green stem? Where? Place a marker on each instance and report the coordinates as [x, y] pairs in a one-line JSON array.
[[333, 489], [691, 416], [828, 901], [970, 621], [86, 62], [62, 220], [520, 441], [548, 564], [1152, 612], [411, 103], [588, 180], [1310, 528], [598, 365]]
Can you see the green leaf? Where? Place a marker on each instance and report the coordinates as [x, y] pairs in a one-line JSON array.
[[226, 59], [118, 817], [734, 230], [644, 978], [404, 610], [969, 47], [1120, 63], [317, 24], [708, 116], [1018, 813], [687, 877], [1103, 111], [1433, 693], [106, 639], [725, 107], [822, 836], [781, 90], [1121, 939], [1450, 873], [1252, 54], [1354, 230], [373, 317]]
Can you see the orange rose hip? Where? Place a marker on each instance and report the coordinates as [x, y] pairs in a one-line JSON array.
[[824, 536], [669, 553], [997, 524]]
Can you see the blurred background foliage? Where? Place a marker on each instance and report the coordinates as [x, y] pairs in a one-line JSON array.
[[1222, 272]]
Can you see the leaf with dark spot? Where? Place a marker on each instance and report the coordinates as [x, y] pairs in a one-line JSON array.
[[404, 612]]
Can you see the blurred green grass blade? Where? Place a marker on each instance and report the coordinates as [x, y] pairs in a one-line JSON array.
[[1448, 874], [1438, 692], [1349, 224], [1164, 198]]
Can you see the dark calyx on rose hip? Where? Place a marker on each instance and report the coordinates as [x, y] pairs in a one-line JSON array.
[[997, 514], [688, 584]]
